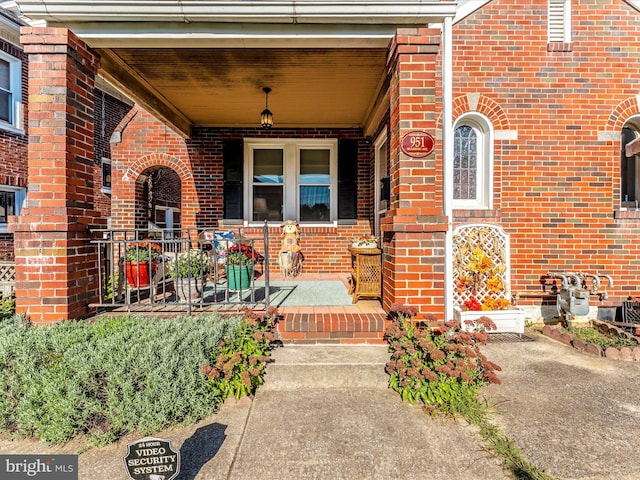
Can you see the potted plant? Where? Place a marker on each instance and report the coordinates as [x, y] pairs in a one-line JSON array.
[[364, 241], [481, 280], [188, 272], [240, 262], [141, 262]]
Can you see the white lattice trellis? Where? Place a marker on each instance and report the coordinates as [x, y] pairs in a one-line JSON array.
[[7, 278], [494, 242]]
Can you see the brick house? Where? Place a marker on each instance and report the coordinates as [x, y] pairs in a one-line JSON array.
[[542, 99]]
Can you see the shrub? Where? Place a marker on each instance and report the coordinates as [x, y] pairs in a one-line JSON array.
[[7, 306], [441, 367], [106, 378], [238, 363]]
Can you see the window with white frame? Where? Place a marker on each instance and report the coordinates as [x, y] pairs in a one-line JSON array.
[[472, 163], [630, 166], [10, 92], [291, 179], [559, 21], [11, 201]]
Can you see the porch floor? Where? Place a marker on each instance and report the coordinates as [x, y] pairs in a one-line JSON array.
[[322, 313]]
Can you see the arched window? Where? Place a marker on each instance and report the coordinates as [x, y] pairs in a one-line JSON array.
[[472, 163], [630, 165]]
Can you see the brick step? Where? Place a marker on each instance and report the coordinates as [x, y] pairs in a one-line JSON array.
[[345, 327], [297, 367]]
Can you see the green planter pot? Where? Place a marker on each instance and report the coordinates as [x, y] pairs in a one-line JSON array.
[[239, 276]]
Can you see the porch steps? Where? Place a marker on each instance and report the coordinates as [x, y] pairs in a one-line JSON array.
[[364, 322], [297, 367]]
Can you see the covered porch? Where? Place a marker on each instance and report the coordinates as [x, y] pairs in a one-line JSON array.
[[347, 83]]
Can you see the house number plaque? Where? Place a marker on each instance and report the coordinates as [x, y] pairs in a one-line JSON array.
[[417, 144]]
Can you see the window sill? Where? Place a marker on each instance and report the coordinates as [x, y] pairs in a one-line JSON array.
[[627, 214], [559, 47], [10, 128]]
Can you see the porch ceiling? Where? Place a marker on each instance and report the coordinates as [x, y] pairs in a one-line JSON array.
[[313, 87]]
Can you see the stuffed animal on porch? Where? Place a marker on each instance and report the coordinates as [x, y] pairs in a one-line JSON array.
[[290, 257]]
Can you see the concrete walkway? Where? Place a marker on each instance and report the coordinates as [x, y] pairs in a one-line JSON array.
[[325, 412]]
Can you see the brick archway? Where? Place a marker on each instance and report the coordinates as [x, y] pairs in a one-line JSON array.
[[124, 196], [165, 149]]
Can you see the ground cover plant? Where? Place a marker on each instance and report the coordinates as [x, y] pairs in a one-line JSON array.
[[109, 377], [440, 366], [605, 340]]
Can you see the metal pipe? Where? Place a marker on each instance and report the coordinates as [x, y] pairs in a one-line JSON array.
[[609, 279], [565, 282], [596, 280]]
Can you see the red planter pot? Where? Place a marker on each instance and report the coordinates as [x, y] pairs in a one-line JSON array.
[[138, 274]]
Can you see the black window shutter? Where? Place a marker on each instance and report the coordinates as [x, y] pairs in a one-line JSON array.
[[233, 159], [347, 179]]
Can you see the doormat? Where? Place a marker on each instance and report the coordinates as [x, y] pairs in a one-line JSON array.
[[308, 293]]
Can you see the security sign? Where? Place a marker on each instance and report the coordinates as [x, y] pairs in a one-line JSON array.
[[152, 459], [417, 144]]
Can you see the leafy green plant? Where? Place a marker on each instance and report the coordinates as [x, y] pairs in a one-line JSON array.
[[7, 306], [242, 255], [142, 252], [238, 362], [190, 264], [441, 367], [593, 335]]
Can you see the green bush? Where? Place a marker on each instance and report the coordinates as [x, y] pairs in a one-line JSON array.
[[441, 367], [7, 306], [106, 378], [237, 366]]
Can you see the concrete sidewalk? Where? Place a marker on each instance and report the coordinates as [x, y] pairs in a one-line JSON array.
[[325, 412]]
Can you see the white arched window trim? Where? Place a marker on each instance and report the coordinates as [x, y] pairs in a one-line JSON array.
[[484, 178]]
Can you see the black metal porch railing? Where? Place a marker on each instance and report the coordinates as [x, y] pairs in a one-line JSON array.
[[182, 270]]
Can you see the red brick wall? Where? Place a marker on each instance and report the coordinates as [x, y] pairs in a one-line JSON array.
[[109, 112], [146, 144], [556, 187]]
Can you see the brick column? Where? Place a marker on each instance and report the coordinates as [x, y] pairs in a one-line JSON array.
[[56, 266], [414, 229]]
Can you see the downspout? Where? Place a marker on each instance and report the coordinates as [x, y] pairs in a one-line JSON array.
[[447, 160]]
